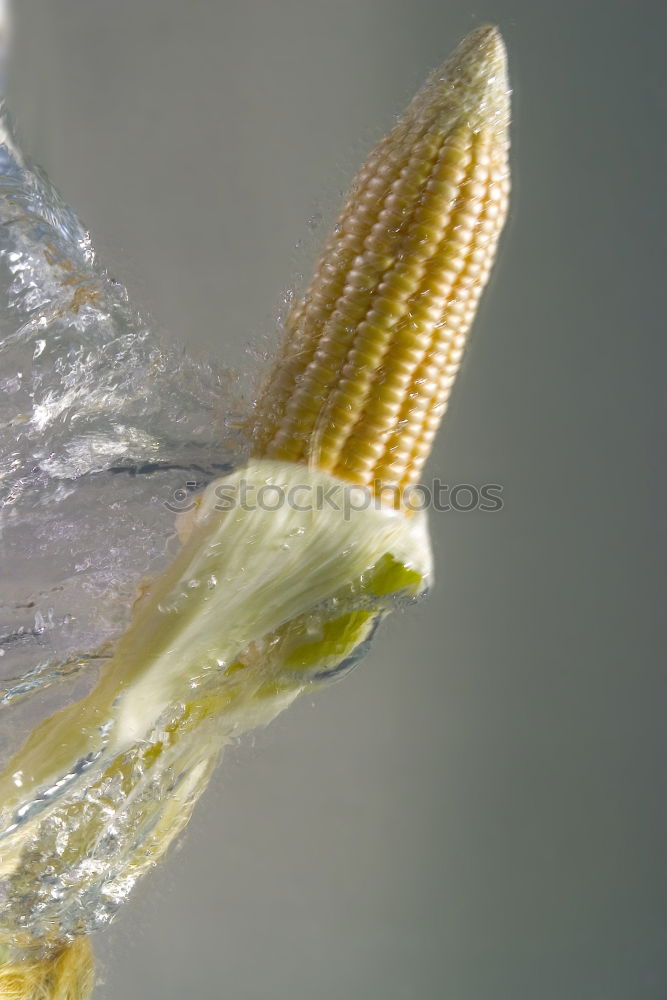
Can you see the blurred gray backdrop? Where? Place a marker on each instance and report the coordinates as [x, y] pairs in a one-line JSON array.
[[478, 812]]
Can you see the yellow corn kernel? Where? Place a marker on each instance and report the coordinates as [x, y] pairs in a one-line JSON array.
[[371, 351]]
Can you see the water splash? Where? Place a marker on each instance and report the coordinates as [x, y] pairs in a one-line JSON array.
[[103, 419]]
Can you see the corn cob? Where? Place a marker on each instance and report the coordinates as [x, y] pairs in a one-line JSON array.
[[358, 390], [372, 349]]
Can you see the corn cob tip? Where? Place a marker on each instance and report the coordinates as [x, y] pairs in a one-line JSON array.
[[471, 84]]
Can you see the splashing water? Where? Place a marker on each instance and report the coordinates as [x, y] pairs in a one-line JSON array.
[[106, 428], [102, 422]]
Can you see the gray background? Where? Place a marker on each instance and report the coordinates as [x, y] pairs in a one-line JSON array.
[[478, 812]]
